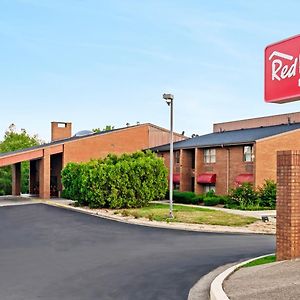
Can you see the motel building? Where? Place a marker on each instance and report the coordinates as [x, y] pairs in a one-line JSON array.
[[47, 160], [236, 152]]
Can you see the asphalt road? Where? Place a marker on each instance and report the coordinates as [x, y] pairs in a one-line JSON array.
[[52, 253]]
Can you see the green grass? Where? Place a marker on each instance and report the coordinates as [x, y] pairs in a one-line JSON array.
[[261, 261], [185, 214]]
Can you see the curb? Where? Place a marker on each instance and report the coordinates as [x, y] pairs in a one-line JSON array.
[[153, 225], [200, 290], [216, 288]]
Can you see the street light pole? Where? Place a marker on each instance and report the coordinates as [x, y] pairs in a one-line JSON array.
[[169, 99]]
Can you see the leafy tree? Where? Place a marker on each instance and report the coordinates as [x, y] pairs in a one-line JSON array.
[[106, 128], [14, 140]]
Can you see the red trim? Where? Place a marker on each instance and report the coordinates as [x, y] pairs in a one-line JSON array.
[[207, 178], [242, 178], [176, 178]]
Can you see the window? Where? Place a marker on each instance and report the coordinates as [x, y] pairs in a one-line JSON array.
[[176, 186], [248, 154], [209, 187], [210, 156], [177, 157], [193, 159]]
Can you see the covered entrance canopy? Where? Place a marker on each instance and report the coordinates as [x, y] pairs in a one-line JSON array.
[[46, 163]]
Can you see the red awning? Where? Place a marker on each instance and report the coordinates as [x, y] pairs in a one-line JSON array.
[[176, 178], [244, 178], [207, 178]]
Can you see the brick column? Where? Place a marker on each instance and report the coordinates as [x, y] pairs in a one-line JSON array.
[[288, 205], [186, 170], [32, 176], [198, 169], [16, 179], [44, 176]]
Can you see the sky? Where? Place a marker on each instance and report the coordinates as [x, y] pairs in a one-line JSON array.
[[98, 63]]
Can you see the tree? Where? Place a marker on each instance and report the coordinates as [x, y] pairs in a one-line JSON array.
[[106, 128], [14, 140]]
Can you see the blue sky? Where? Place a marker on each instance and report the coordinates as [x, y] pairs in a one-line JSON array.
[[108, 62]]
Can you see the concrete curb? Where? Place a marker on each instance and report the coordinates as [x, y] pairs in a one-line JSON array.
[[216, 288], [201, 288], [153, 224]]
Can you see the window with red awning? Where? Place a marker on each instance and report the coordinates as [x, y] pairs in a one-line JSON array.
[[207, 178]]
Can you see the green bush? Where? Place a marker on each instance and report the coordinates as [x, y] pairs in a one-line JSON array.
[[184, 197], [72, 176], [126, 181], [243, 196], [267, 194], [246, 197], [187, 198], [222, 199], [211, 200], [199, 198]]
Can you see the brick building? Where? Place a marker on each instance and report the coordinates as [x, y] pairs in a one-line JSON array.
[[47, 160], [236, 152]]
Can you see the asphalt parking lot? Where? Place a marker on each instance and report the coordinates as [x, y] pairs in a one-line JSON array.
[[53, 253]]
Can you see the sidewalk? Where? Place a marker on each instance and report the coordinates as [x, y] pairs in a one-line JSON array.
[[246, 213], [274, 281]]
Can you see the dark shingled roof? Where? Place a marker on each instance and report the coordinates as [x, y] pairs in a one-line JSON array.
[[227, 138]]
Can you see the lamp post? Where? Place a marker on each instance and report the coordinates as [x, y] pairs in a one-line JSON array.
[[169, 99]]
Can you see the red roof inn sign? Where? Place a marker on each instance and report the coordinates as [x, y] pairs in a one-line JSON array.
[[282, 71]]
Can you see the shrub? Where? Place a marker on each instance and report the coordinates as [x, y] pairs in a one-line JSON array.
[[187, 197], [126, 181], [184, 197], [210, 193], [72, 176], [211, 200], [222, 199], [243, 196], [199, 198], [267, 194]]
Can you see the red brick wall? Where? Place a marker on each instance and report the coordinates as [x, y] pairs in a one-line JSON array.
[[236, 167], [186, 169], [257, 122], [118, 142], [166, 157], [231, 157], [160, 136], [199, 162], [265, 154], [288, 205]]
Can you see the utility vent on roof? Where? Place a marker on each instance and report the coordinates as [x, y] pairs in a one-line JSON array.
[[83, 133]]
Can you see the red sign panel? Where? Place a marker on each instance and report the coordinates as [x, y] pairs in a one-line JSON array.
[[282, 71]]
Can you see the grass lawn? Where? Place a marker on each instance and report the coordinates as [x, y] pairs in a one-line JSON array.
[[261, 261], [184, 214]]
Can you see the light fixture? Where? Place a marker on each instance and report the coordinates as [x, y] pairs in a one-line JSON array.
[[169, 99]]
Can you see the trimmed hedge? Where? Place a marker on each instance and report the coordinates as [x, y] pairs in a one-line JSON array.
[[126, 181], [184, 197]]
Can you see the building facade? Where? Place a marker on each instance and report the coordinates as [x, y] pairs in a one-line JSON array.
[[226, 158], [47, 160]]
